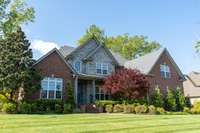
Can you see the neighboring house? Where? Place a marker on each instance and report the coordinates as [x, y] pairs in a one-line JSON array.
[[192, 86], [86, 66]]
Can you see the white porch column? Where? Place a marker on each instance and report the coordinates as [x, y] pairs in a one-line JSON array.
[[94, 90], [76, 90]]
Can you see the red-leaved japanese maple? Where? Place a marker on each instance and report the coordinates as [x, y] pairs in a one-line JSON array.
[[126, 84]]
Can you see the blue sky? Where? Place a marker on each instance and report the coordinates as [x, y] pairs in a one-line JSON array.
[[174, 24]]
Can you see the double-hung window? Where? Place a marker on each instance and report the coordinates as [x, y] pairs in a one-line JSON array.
[[51, 88], [101, 68], [165, 71]]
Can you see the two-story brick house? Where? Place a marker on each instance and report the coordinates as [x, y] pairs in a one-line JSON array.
[[86, 66]]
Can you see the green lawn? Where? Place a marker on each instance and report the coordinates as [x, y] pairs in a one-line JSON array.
[[99, 123]]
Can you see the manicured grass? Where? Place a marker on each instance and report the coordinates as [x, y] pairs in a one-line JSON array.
[[99, 123]]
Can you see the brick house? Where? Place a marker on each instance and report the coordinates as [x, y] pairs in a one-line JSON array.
[[86, 66]]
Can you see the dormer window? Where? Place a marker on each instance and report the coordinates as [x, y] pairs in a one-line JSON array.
[[77, 66], [101, 68], [165, 71]]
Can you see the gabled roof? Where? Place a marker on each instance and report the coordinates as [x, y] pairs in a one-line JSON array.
[[60, 55], [147, 62], [192, 85], [66, 50]]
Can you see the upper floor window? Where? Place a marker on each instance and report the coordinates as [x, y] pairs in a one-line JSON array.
[[165, 71], [101, 68], [51, 88], [77, 66]]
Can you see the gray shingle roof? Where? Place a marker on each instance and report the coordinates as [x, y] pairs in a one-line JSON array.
[[192, 85], [66, 50], [121, 60], [146, 62]]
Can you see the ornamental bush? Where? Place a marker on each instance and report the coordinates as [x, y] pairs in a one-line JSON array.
[[129, 108], [160, 110], [109, 108], [151, 109], [58, 108], [170, 101], [67, 108], [156, 98], [196, 107], [118, 108], [180, 99], [140, 109], [25, 108], [9, 108]]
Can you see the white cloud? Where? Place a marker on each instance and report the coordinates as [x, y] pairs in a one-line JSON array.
[[43, 46]]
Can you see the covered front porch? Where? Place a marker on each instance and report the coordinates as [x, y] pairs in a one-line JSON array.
[[86, 90]]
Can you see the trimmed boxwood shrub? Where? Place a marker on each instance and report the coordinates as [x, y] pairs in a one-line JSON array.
[[103, 103], [67, 108], [160, 110], [151, 109], [118, 108], [129, 108], [196, 107], [140, 109], [109, 108]]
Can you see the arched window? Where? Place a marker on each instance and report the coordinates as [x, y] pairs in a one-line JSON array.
[[77, 66]]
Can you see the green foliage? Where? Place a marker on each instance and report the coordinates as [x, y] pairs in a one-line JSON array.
[[196, 107], [103, 103], [92, 31], [151, 109], [129, 108], [67, 108], [170, 101], [9, 108], [25, 108], [16, 72], [118, 108], [109, 108], [58, 108], [180, 99], [128, 46], [156, 99], [188, 102], [140, 109], [13, 14], [160, 110], [70, 95], [186, 109], [197, 47]]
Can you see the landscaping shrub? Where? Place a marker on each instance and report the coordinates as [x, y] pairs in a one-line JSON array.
[[129, 108], [160, 110], [58, 108], [180, 99], [186, 109], [196, 107], [25, 108], [137, 101], [187, 102], [109, 108], [103, 103], [156, 98], [9, 108], [118, 108], [151, 109], [67, 108], [170, 101], [140, 109]]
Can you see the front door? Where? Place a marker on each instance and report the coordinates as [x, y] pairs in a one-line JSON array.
[[82, 91]]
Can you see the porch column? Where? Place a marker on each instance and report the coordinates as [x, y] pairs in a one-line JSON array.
[[94, 90], [76, 90]]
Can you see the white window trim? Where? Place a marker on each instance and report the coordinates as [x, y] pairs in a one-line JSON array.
[[80, 66], [57, 80], [166, 69], [102, 64]]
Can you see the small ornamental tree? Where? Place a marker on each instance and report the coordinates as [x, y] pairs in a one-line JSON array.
[[126, 84], [170, 101], [156, 99], [180, 99]]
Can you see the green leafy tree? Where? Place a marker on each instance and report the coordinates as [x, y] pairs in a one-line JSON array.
[[92, 31], [170, 101], [180, 99], [156, 99], [14, 13], [16, 73], [128, 46]]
